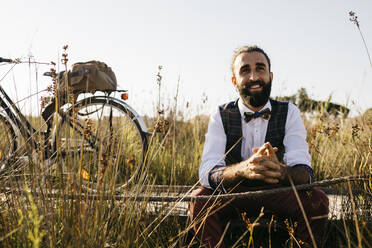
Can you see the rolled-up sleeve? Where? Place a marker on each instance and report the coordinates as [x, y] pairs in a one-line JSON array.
[[296, 147], [214, 148]]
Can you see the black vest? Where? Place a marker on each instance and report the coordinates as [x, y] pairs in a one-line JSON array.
[[232, 124]]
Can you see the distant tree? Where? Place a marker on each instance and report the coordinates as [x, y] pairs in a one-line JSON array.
[[306, 104]]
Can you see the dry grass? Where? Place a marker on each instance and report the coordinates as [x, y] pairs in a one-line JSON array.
[[29, 218], [73, 218]]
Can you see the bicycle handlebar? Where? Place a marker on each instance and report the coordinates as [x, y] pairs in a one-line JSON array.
[[5, 60]]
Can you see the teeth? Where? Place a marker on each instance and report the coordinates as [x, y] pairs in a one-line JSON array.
[[256, 86]]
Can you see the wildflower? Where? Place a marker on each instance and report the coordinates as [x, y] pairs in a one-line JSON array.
[[64, 56], [353, 18]]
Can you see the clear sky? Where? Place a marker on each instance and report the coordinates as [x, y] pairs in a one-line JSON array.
[[312, 44]]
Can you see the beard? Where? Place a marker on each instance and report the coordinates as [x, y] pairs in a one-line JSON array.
[[255, 99]]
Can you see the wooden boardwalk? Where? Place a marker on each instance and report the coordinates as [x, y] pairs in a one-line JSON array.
[[336, 202], [180, 207]]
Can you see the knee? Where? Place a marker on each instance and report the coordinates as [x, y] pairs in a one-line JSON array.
[[196, 206], [319, 202]]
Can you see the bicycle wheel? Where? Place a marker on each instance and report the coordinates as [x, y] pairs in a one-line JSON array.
[[8, 142], [105, 139]]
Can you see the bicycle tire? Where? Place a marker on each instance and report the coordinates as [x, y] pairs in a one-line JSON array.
[[8, 141], [107, 138]]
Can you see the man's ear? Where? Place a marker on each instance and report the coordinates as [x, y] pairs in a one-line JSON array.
[[233, 80], [271, 76]]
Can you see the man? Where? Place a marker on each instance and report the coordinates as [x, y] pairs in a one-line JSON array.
[[255, 142]]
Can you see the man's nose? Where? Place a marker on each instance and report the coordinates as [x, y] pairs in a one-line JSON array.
[[253, 76]]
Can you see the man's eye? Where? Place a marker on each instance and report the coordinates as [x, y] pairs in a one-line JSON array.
[[245, 69]]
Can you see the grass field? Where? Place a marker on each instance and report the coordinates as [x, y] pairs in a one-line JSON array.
[[339, 147]]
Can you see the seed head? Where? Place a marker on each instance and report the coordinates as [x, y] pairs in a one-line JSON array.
[[354, 18]]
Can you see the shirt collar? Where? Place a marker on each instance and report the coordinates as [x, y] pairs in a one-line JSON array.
[[243, 108]]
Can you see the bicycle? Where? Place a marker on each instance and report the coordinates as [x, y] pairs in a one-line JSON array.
[[105, 136]]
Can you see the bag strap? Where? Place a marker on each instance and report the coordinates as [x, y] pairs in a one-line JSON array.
[[80, 73]]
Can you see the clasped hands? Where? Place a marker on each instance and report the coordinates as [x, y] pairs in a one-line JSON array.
[[264, 165]]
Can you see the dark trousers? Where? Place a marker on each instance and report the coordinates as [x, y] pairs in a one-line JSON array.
[[206, 216]]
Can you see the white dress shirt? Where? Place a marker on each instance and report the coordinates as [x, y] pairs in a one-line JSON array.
[[254, 133]]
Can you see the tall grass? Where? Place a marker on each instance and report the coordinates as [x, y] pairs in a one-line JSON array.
[[29, 218], [43, 203]]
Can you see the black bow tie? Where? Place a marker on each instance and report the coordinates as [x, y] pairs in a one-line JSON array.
[[264, 114]]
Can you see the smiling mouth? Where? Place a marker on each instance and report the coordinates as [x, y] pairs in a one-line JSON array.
[[255, 86]]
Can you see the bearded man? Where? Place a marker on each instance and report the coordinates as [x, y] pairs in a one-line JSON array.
[[255, 143]]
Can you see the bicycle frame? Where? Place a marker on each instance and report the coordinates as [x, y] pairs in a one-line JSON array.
[[18, 119]]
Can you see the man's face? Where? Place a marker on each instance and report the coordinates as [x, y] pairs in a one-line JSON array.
[[252, 78]]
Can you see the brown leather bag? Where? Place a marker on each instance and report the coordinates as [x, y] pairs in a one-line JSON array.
[[88, 76]]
